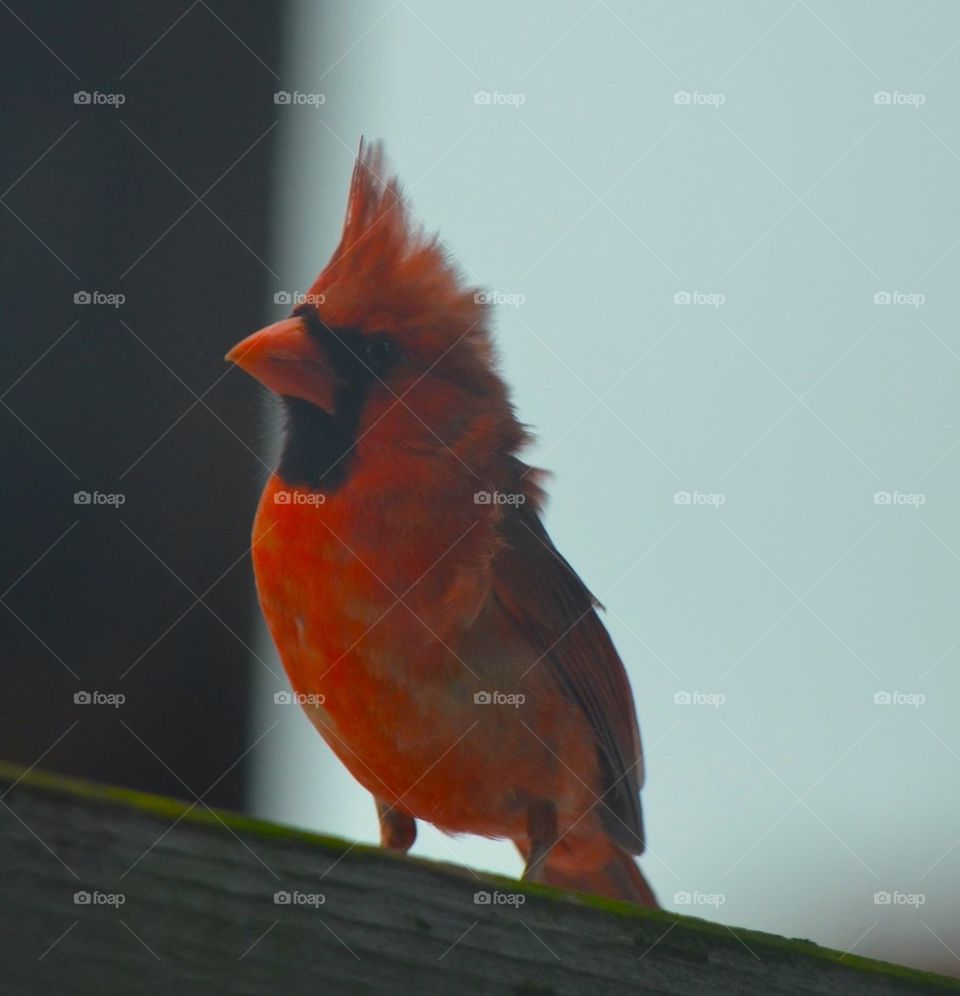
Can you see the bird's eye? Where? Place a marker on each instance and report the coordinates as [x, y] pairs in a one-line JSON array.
[[379, 353]]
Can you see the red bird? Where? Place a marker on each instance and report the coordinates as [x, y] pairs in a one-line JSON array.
[[452, 659]]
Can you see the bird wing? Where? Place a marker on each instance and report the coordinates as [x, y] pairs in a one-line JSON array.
[[556, 613]]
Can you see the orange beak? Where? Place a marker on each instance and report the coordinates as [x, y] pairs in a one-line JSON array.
[[284, 358]]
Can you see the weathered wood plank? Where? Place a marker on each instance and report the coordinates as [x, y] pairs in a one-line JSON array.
[[198, 915]]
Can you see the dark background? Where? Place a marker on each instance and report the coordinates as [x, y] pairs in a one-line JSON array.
[[102, 398]]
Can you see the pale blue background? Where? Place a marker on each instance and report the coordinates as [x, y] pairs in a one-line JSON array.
[[799, 598]]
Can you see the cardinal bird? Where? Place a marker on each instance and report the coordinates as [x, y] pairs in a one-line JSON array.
[[444, 649]]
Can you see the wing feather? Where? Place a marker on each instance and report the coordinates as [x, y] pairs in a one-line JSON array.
[[557, 614]]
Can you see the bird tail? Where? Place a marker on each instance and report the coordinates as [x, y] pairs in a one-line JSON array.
[[618, 878]]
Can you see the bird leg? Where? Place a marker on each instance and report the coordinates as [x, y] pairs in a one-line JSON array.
[[398, 831], [541, 836]]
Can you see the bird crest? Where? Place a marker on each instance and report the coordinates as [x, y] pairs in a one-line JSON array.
[[387, 272]]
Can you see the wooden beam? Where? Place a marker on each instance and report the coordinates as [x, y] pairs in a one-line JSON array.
[[183, 899]]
